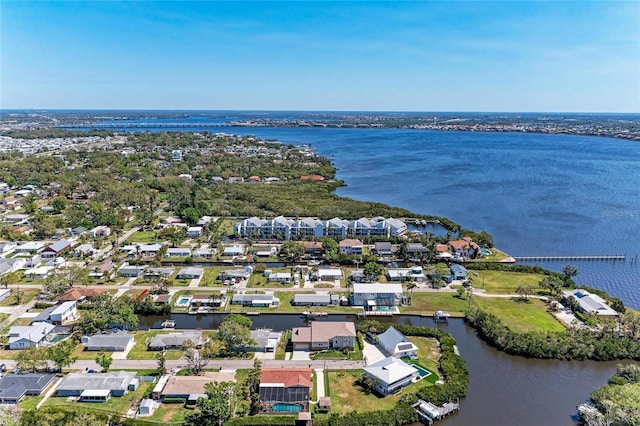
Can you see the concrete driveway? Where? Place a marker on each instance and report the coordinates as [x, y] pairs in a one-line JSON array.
[[300, 356], [372, 353]]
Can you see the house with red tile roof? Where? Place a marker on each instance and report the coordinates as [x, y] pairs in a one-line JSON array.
[[285, 390]]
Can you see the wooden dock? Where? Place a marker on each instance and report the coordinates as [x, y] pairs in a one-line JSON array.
[[429, 412], [555, 258]]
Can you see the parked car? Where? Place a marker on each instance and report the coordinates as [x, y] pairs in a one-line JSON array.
[[3, 368]]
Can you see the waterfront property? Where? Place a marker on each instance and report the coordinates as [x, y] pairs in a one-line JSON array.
[[14, 387], [323, 335], [210, 300], [97, 387], [396, 344], [255, 300], [112, 342], [188, 387], [590, 303], [178, 252], [190, 273], [266, 340], [391, 374], [130, 271], [161, 342], [285, 390], [315, 299], [373, 296]]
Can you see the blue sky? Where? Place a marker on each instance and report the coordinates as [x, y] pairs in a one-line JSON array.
[[544, 56]]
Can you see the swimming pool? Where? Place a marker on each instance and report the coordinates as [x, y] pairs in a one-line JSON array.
[[486, 252], [423, 372], [183, 301], [282, 407], [59, 337]]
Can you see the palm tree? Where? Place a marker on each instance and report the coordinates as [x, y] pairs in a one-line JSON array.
[[410, 286]]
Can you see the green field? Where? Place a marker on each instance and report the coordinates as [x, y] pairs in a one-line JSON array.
[[139, 350], [500, 282], [142, 237], [436, 301], [520, 315]]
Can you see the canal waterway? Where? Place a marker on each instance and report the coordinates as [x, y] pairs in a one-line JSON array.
[[503, 389]]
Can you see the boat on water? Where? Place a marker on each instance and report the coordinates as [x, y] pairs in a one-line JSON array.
[[168, 324], [587, 408]]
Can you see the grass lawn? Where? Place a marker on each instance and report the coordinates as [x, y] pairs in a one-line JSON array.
[[139, 350], [428, 352], [179, 283], [118, 405], [169, 413], [433, 301], [19, 321], [29, 402], [286, 306], [347, 395], [210, 277], [495, 256], [142, 237], [521, 316], [500, 282], [259, 280], [27, 295]]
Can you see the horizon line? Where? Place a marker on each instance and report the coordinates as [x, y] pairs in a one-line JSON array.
[[321, 111]]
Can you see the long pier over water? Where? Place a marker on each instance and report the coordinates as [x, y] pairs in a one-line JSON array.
[[597, 257]]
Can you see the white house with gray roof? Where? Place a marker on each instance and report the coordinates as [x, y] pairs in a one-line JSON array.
[[25, 336], [256, 300], [97, 387], [391, 374], [112, 342], [396, 344], [190, 273], [161, 342], [589, 302]]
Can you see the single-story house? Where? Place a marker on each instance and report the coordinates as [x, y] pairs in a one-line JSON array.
[[162, 299], [190, 273], [255, 300], [150, 249], [266, 340], [391, 374], [147, 407], [324, 335], [161, 342], [235, 274], [458, 272], [404, 274], [588, 302], [8, 265], [77, 231], [290, 386], [204, 252], [8, 246], [279, 277], [111, 342], [80, 294], [178, 252], [83, 250], [38, 273], [16, 218], [194, 231], [24, 336], [159, 272], [189, 387], [396, 344], [235, 250], [315, 299], [327, 274], [130, 271], [30, 247], [373, 295], [100, 231], [14, 387], [97, 387], [56, 249], [4, 293], [213, 300]]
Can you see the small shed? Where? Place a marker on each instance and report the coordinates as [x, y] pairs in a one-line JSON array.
[[147, 407]]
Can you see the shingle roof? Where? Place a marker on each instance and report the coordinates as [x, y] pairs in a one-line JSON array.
[[118, 380], [175, 339], [15, 386]]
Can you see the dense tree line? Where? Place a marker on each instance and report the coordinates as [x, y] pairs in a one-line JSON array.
[[608, 342]]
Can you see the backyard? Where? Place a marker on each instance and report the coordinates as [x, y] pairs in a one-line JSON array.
[[520, 315]]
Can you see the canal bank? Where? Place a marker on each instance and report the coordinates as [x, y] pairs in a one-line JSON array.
[[503, 389]]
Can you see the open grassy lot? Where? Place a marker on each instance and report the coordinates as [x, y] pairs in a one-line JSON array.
[[142, 237], [520, 315], [169, 414], [347, 395], [210, 277], [139, 350], [114, 405], [428, 352], [500, 282], [433, 301], [27, 295], [495, 256]]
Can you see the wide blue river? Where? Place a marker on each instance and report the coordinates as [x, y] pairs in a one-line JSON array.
[[539, 195]]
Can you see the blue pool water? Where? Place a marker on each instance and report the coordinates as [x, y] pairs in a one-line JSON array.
[[486, 252], [183, 301], [422, 371], [282, 407]]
